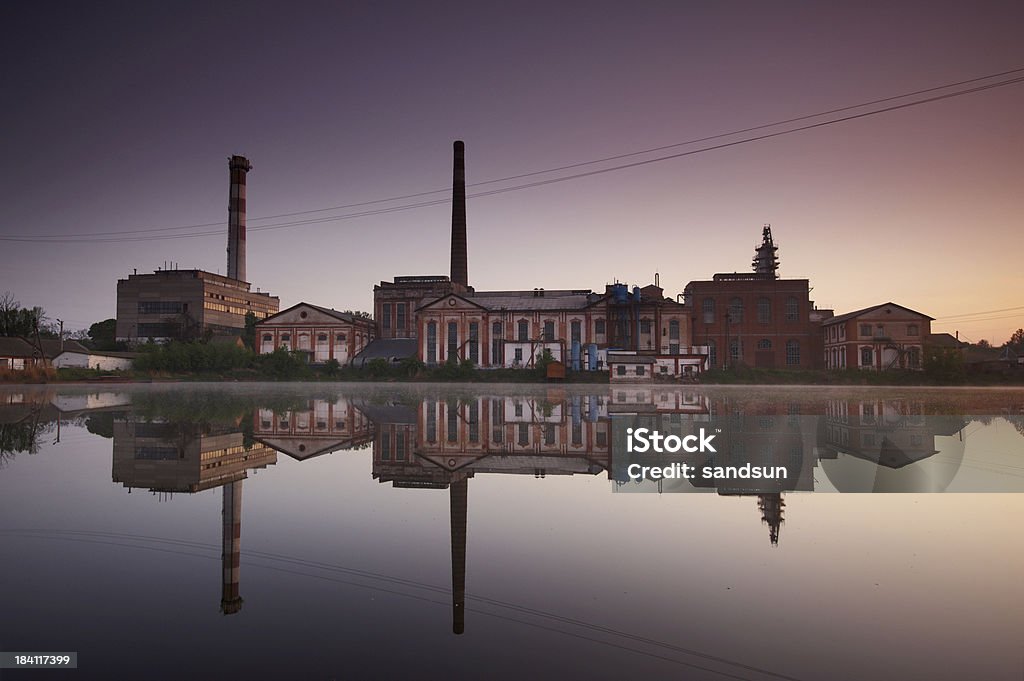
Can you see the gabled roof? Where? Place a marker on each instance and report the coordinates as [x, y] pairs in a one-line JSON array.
[[464, 299], [857, 313], [330, 312], [19, 347]]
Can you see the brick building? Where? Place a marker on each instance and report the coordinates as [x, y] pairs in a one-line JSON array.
[[755, 318], [877, 338], [321, 332]]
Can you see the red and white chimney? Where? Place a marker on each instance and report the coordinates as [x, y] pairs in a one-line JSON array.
[[239, 166]]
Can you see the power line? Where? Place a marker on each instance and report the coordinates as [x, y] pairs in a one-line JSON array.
[[973, 314], [86, 238]]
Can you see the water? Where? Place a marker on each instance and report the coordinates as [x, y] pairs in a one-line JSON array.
[[384, 531]]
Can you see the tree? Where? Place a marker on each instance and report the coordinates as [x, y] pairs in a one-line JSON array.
[[1016, 341], [103, 335], [249, 335], [984, 344], [16, 320], [358, 313]]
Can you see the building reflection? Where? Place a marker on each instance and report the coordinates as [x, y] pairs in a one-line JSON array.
[[439, 443], [168, 457]]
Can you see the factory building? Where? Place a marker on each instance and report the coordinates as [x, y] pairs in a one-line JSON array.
[[174, 304], [877, 338], [446, 319], [322, 333], [755, 318]]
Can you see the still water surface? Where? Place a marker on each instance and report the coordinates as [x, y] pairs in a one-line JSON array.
[[382, 531]]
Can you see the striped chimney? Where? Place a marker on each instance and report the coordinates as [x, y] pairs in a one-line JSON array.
[[460, 275], [239, 166]]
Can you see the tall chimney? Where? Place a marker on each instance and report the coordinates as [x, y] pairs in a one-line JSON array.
[[460, 275], [239, 166]]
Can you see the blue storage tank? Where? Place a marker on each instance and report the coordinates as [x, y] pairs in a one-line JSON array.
[[592, 357], [575, 355], [620, 293]]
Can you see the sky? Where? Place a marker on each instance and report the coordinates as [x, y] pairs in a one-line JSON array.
[[119, 118]]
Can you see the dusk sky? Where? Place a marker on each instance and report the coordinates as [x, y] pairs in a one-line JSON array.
[[121, 117]]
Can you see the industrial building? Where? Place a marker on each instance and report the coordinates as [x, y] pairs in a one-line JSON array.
[[449, 320], [755, 318], [320, 332], [877, 338], [174, 304]]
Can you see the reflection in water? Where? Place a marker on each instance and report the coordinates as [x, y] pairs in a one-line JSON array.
[[188, 443]]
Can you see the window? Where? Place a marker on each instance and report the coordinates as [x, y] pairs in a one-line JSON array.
[[474, 345], [639, 369], [735, 350], [453, 341], [452, 424], [474, 421], [524, 330], [912, 330], [736, 311], [519, 356], [549, 434], [549, 331], [792, 309], [865, 330], [621, 370], [764, 310], [866, 357], [673, 330], [673, 348], [708, 307], [386, 313], [664, 369], [793, 352], [385, 447], [518, 411], [576, 331], [764, 344], [160, 307], [402, 315], [712, 353], [645, 326], [267, 338], [914, 358], [496, 343], [599, 327], [524, 434], [431, 342], [431, 421]]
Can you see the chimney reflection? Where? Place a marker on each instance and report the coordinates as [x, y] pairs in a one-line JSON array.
[[168, 457]]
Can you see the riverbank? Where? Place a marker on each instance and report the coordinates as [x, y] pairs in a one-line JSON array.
[[466, 374]]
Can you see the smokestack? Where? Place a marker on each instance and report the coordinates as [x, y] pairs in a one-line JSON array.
[[460, 275], [459, 504], [239, 166]]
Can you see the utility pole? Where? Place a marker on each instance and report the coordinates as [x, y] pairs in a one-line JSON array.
[[61, 334]]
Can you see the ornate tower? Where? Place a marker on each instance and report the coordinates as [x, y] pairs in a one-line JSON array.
[[766, 256]]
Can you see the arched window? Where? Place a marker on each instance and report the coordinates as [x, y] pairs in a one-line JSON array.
[[793, 352], [708, 307], [735, 350], [764, 310], [267, 338], [524, 330], [764, 344], [736, 311]]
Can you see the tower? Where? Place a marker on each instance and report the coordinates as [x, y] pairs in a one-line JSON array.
[[231, 539], [766, 258], [239, 166], [460, 275], [458, 495]]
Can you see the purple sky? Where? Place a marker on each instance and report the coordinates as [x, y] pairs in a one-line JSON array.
[[121, 117]]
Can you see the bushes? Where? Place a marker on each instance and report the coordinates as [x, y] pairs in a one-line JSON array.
[[193, 357]]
